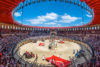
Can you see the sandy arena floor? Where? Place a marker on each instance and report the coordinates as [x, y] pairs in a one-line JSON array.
[[63, 50]]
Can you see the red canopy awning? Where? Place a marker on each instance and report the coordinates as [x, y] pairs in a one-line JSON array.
[[7, 6]]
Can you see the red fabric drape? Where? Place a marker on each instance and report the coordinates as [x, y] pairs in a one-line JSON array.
[[58, 62], [41, 44], [61, 42]]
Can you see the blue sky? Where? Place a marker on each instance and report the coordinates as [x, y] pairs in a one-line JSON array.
[[52, 14]]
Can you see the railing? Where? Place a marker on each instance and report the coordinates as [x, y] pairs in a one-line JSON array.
[[17, 27]]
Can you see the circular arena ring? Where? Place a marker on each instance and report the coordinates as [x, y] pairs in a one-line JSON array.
[[36, 51]]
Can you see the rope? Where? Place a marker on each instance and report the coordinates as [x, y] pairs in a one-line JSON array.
[[22, 14], [82, 14]]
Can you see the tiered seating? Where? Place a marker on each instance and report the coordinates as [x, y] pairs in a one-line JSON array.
[[92, 39], [7, 42]]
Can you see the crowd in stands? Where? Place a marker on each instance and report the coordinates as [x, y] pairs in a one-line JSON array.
[[27, 32], [91, 39], [9, 39]]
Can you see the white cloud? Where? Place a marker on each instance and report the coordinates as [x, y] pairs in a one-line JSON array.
[[77, 25], [17, 14], [51, 23], [68, 18], [50, 16], [43, 18], [59, 25], [89, 15], [82, 22], [52, 19], [20, 21], [36, 21]]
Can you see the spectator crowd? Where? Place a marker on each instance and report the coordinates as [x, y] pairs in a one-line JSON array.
[[9, 39]]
